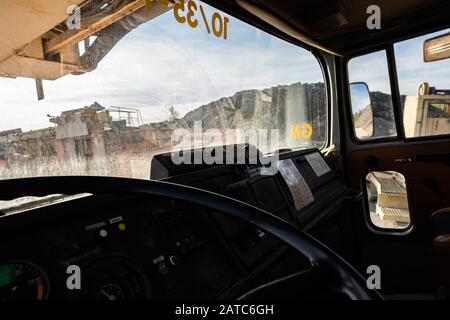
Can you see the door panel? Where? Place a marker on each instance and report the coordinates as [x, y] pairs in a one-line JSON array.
[[405, 258], [428, 181]]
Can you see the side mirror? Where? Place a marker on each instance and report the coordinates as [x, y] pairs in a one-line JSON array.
[[362, 110], [436, 48]]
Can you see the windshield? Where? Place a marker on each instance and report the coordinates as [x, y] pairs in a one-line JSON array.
[[104, 86]]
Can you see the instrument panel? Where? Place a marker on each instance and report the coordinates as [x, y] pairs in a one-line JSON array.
[[121, 247], [22, 280], [131, 248]]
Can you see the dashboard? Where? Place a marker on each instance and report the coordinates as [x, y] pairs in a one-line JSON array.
[[122, 247]]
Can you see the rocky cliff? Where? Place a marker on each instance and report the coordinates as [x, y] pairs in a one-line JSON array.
[[273, 108]]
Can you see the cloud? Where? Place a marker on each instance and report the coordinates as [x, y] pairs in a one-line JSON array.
[[164, 63], [411, 69], [372, 69]]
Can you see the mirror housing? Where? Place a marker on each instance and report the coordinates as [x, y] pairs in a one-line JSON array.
[[362, 113], [437, 48]]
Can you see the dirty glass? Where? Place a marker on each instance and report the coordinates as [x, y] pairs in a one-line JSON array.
[[424, 89], [77, 102]]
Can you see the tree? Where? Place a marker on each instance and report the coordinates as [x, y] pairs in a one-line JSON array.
[[173, 114]]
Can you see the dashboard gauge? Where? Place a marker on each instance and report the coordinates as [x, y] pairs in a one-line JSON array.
[[110, 292], [115, 278], [22, 280]]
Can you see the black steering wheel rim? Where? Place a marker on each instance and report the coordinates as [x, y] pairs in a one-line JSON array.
[[353, 284]]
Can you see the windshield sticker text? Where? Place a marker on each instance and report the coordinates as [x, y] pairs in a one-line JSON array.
[[302, 131]]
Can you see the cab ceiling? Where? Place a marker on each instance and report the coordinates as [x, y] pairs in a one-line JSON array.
[[341, 25]]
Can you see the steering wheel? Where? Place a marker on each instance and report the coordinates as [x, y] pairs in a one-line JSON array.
[[343, 277]]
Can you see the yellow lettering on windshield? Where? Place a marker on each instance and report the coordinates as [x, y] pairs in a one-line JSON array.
[[188, 11], [307, 131], [296, 132], [300, 131]]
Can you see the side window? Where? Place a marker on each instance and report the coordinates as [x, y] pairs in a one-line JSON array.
[[371, 99], [424, 89], [388, 200]]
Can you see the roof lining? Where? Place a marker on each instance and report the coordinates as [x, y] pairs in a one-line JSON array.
[[284, 26]]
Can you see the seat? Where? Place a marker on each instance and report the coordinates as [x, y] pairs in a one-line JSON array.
[[440, 226]]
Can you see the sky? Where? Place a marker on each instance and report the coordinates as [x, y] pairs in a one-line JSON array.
[[411, 69], [164, 63]]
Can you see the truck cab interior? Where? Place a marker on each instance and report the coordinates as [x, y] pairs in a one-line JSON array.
[[220, 150]]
